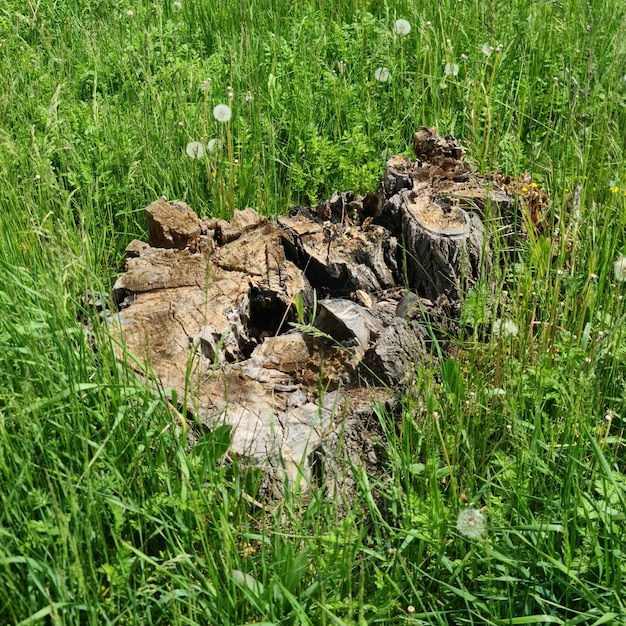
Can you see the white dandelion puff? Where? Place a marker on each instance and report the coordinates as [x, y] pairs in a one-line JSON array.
[[130, 13], [194, 150], [402, 27], [471, 523], [381, 74], [505, 328], [486, 49], [619, 267], [222, 113], [177, 6], [211, 145], [451, 69]]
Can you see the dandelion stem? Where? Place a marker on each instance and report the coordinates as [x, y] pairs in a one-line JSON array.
[[447, 459]]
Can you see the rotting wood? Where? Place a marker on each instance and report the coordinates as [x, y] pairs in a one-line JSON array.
[[213, 307]]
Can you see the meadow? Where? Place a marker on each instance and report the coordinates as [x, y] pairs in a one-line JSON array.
[[107, 516]]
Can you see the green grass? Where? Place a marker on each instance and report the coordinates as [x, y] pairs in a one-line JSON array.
[[107, 516]]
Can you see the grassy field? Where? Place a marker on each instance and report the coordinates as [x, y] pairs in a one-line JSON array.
[[107, 517]]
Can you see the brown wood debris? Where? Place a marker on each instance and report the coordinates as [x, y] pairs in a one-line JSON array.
[[212, 306]]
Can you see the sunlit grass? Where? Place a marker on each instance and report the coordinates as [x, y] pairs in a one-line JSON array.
[[108, 516]]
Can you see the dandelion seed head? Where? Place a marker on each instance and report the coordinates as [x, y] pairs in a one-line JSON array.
[[205, 84], [211, 145], [194, 150], [248, 96], [451, 69], [471, 523], [619, 268], [505, 328], [486, 49], [130, 13], [381, 74], [177, 6], [222, 113], [402, 27]]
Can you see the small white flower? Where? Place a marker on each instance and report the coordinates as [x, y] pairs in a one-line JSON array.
[[505, 328], [211, 145], [471, 523], [402, 27], [619, 267], [194, 150], [341, 66], [129, 13], [451, 69], [177, 6], [486, 49], [381, 74], [222, 113]]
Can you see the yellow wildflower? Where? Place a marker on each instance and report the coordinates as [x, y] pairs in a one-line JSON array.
[[614, 189]]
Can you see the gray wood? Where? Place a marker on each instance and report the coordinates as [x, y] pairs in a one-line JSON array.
[[210, 306]]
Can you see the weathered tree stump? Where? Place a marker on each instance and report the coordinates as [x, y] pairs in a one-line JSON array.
[[214, 307]]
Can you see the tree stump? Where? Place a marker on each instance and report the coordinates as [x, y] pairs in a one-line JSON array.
[[289, 329]]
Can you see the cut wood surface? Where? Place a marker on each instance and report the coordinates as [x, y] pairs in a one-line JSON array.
[[211, 306]]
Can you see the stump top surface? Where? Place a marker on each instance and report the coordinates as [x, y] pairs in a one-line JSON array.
[[437, 218]]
